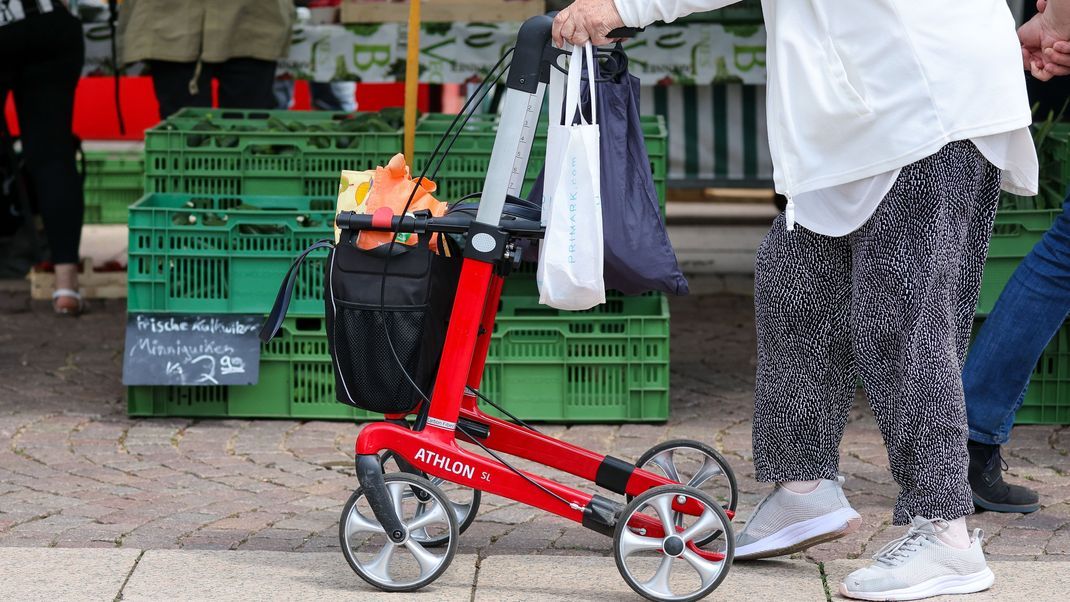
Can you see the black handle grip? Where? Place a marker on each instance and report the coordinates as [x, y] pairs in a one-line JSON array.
[[349, 220], [624, 32], [448, 224]]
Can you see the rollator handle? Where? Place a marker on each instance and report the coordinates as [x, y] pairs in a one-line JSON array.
[[624, 32]]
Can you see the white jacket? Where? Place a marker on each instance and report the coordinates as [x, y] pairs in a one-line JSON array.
[[858, 88]]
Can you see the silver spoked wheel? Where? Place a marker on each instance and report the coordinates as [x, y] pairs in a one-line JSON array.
[[687, 564], [463, 500], [408, 565], [694, 464]]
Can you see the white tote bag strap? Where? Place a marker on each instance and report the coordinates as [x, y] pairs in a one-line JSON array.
[[572, 87], [575, 77]]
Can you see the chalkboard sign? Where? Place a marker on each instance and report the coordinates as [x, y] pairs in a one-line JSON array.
[[169, 349]]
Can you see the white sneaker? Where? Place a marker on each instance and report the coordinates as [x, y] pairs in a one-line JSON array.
[[920, 565], [786, 522]]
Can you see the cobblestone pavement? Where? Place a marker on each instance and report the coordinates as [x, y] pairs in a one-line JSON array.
[[75, 472]]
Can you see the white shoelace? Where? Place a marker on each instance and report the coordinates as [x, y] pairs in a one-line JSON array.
[[898, 550]]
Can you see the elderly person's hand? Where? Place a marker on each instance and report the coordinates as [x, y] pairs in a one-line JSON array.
[[1046, 41], [586, 21]]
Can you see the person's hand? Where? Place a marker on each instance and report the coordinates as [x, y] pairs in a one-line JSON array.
[[1045, 48], [586, 21]]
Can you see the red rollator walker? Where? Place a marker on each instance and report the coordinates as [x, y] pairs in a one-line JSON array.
[[672, 533]]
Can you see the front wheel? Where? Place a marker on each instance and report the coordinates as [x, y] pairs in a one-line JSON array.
[[405, 566], [665, 555], [464, 501]]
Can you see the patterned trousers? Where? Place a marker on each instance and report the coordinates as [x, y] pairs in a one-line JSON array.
[[891, 304]]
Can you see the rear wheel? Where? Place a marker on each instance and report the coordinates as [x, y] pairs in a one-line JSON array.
[[664, 557], [694, 464]]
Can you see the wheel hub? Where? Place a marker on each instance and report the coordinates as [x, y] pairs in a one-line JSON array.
[[673, 545]]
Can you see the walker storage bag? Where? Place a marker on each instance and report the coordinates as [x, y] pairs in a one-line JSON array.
[[381, 333]]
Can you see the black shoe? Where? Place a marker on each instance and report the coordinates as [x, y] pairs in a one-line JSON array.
[[990, 491]]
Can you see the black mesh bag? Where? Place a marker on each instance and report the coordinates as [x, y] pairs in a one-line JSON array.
[[380, 336], [364, 334]]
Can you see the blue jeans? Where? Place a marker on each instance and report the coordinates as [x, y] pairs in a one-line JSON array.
[[1029, 312]]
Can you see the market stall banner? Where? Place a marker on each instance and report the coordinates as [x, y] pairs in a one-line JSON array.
[[717, 132], [693, 53], [708, 80]]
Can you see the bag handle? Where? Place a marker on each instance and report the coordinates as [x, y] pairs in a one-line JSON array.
[[575, 76], [282, 301]]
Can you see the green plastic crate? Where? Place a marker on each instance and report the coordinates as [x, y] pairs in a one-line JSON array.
[[224, 266], [610, 364], [1014, 235], [1053, 154], [1047, 400], [261, 162], [296, 381], [1061, 155], [464, 169], [113, 181]]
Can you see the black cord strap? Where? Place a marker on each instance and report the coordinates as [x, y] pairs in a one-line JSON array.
[[518, 472], [282, 301]]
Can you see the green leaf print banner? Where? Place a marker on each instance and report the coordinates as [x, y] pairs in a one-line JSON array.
[[688, 54]]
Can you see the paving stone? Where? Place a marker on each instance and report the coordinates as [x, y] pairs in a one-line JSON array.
[[64, 574], [272, 576], [555, 578], [1018, 542], [1058, 544], [1043, 521]]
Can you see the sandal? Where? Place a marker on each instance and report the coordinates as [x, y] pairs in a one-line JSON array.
[[67, 302]]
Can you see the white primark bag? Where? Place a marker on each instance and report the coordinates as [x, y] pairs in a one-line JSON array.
[[571, 254]]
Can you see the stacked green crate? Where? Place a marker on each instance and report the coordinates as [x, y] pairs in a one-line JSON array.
[[1020, 224], [1047, 401], [113, 181], [224, 254], [609, 364], [1013, 236], [1022, 221], [200, 253], [253, 189], [244, 152]]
